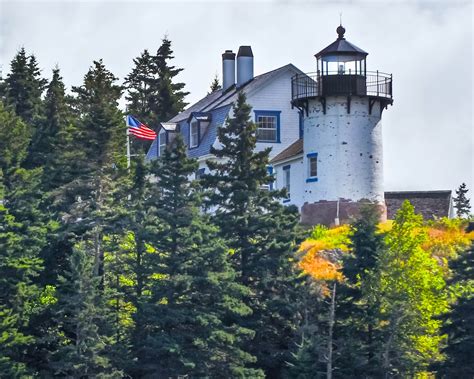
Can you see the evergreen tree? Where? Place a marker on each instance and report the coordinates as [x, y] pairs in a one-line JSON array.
[[22, 235], [43, 148], [215, 85], [153, 96], [24, 87], [168, 97], [81, 316], [461, 202], [459, 321], [189, 331], [140, 88], [262, 233], [356, 328], [84, 203]]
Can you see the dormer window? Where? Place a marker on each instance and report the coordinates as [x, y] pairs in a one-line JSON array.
[[194, 134], [268, 126], [161, 143]]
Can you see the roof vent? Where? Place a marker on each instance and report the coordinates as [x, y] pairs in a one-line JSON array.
[[244, 65]]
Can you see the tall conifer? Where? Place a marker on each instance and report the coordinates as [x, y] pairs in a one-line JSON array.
[[459, 321], [24, 87], [195, 295], [262, 233], [81, 317]]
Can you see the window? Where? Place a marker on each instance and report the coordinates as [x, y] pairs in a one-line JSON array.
[[161, 143], [270, 173], [194, 134], [287, 180], [200, 173], [312, 167], [268, 126]]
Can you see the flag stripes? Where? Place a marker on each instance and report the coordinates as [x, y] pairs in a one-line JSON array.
[[139, 129]]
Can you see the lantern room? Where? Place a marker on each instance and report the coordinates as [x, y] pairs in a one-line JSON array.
[[341, 57], [342, 67]]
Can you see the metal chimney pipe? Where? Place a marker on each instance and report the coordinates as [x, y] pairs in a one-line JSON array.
[[244, 65], [228, 70]]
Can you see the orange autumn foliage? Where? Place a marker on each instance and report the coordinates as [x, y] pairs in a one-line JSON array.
[[317, 260]]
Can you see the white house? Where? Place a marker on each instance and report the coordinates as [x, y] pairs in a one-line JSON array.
[[268, 94], [324, 129]]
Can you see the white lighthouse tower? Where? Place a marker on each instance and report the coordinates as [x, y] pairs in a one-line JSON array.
[[342, 106]]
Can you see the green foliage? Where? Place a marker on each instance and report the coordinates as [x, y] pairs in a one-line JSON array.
[[80, 313], [459, 321], [24, 87], [153, 95], [215, 85], [188, 328], [262, 233], [462, 202], [412, 295]]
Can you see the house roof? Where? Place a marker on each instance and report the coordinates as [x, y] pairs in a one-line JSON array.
[[296, 148], [221, 98], [427, 203]]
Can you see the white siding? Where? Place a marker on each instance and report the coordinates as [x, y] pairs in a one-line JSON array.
[[276, 96], [296, 179]]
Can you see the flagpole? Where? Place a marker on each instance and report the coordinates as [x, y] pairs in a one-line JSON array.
[[128, 148]]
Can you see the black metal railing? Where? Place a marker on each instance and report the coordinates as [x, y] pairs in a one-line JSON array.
[[309, 85]]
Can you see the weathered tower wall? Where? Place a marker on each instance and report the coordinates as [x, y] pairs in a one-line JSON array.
[[348, 141]]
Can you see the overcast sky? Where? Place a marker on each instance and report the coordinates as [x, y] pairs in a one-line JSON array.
[[427, 45]]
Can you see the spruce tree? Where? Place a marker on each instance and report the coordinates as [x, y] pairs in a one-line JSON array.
[[190, 331], [24, 87], [356, 328], [56, 116], [462, 202], [153, 96], [168, 97], [81, 317], [262, 233], [140, 89], [215, 85], [22, 235], [459, 321], [99, 159]]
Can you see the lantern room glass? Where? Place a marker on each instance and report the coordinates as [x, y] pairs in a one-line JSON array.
[[339, 64]]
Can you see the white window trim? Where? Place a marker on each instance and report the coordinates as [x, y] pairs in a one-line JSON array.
[[191, 125], [161, 135]]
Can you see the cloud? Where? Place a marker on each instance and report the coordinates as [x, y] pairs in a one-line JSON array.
[[427, 45]]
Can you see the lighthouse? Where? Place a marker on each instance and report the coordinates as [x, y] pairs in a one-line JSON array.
[[341, 107]]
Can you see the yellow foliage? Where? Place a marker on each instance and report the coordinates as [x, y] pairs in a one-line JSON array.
[[315, 261]]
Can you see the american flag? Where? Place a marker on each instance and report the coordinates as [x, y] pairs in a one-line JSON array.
[[139, 129]]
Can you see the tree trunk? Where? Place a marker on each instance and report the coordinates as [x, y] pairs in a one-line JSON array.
[[332, 315]]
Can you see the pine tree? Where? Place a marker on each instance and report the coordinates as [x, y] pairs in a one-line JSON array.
[[459, 321], [461, 202], [215, 85], [81, 316], [262, 233], [189, 329], [24, 87]]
